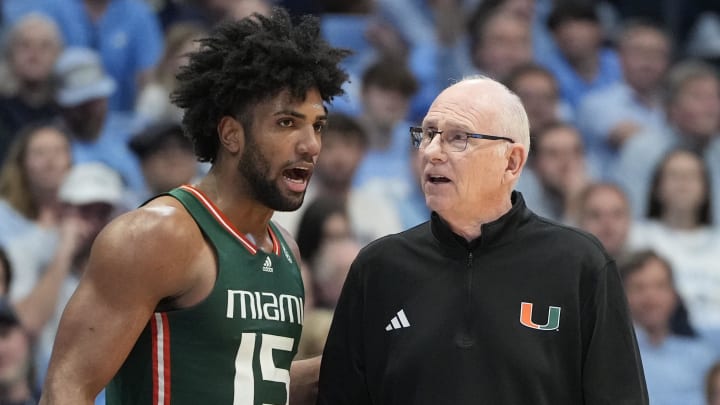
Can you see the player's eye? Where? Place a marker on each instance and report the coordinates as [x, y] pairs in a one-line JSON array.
[[319, 126], [286, 122]]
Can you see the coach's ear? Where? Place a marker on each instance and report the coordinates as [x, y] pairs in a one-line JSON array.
[[516, 159], [231, 134]]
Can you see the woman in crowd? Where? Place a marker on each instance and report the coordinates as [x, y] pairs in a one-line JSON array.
[[35, 166], [679, 226]]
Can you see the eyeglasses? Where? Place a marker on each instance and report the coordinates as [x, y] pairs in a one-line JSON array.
[[456, 140]]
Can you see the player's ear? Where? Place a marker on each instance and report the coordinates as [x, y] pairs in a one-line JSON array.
[[231, 134]]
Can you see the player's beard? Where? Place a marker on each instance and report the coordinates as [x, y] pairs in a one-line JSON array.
[[255, 168]]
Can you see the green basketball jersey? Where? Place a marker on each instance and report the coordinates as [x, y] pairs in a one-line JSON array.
[[233, 348]]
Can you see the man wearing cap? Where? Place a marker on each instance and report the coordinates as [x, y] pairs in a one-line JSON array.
[[91, 194], [97, 134], [126, 34]]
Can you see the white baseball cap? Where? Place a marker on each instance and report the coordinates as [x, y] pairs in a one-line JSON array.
[[92, 182]]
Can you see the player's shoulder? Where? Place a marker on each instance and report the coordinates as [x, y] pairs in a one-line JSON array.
[[162, 223], [156, 249]]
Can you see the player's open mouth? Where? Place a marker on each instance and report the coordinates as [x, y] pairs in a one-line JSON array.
[[297, 178], [297, 174]]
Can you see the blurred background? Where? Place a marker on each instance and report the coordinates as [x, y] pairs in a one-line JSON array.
[[624, 105]]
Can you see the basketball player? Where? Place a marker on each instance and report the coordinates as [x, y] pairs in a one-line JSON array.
[[196, 297]]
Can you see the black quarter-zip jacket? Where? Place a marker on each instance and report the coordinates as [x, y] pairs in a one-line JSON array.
[[530, 313]]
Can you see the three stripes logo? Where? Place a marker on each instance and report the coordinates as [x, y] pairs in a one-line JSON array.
[[553, 318], [398, 321], [267, 266]]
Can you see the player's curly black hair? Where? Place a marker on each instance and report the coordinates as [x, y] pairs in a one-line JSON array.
[[248, 61]]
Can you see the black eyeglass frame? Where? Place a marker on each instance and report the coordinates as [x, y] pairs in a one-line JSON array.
[[417, 134]]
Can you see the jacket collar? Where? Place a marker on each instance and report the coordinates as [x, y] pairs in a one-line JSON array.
[[494, 233]]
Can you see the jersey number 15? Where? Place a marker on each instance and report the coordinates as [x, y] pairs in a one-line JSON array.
[[244, 390]]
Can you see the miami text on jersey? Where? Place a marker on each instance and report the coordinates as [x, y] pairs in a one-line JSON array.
[[265, 305]]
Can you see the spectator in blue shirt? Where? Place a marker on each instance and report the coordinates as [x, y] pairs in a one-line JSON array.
[[609, 116], [387, 88], [674, 365], [581, 64], [97, 134], [125, 33], [692, 107], [14, 10]]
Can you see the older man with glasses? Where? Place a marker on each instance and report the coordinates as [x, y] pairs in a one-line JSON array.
[[486, 302]]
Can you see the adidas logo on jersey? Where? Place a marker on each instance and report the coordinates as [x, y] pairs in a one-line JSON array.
[[398, 321], [267, 266]]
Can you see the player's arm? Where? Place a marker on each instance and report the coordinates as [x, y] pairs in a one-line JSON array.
[[304, 374], [134, 264], [304, 381]]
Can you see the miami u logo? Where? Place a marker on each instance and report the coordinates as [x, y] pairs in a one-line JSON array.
[[553, 319]]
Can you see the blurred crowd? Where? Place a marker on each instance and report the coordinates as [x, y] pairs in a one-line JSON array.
[[623, 99]]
